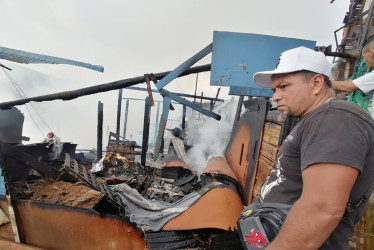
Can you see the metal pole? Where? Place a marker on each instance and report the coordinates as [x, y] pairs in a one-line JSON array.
[[180, 94], [119, 106], [100, 116], [156, 123], [238, 110], [184, 117], [197, 77], [201, 103], [184, 66], [125, 121], [147, 116], [162, 145], [219, 89]]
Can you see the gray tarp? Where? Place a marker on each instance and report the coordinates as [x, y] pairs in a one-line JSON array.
[[153, 215]]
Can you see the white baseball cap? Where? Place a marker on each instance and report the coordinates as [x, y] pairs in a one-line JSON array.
[[293, 60]]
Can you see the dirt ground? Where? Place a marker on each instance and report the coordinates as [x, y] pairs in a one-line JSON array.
[[65, 193]]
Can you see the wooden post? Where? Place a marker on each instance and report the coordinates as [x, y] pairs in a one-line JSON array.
[[125, 121], [119, 106], [100, 131], [147, 117]]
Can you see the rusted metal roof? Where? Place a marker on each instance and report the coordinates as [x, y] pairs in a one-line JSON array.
[[20, 56]]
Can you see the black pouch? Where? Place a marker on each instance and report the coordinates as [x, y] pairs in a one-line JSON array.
[[259, 223]]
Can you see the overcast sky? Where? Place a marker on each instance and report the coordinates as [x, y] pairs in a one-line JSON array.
[[129, 39]]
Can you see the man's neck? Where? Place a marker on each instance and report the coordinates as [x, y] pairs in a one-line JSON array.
[[323, 98]]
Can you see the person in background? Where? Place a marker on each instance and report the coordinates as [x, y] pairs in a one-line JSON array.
[[364, 83], [325, 163], [51, 139]]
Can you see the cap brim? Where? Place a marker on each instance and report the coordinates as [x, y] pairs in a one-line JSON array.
[[263, 78]]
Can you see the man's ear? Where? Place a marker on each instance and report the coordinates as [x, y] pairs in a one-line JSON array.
[[371, 52], [318, 82]]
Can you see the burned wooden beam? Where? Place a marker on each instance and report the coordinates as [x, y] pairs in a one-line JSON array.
[[100, 111], [69, 95]]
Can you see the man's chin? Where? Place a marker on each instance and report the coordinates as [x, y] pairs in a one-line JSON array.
[[287, 114]]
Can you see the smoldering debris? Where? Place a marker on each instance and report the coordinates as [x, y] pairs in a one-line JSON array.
[[171, 187], [165, 184]]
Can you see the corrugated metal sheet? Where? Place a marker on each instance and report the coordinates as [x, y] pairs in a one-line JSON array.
[[27, 57]]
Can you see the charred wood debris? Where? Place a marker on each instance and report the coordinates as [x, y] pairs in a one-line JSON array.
[[76, 185]]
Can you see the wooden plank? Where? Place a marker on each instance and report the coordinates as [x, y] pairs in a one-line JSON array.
[[269, 149], [268, 153], [268, 161]]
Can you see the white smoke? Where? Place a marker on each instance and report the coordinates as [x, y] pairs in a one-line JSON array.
[[210, 137]]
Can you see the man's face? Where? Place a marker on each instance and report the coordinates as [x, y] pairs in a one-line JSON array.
[[292, 94], [368, 56]]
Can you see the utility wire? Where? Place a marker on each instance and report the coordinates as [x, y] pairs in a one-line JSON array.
[[22, 95]]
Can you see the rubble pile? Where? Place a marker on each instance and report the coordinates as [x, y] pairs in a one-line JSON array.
[[173, 182], [163, 189], [58, 192], [166, 184]]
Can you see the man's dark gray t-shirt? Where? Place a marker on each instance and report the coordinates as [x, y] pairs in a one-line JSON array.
[[335, 132]]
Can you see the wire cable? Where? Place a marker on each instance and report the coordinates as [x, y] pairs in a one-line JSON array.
[[23, 95]]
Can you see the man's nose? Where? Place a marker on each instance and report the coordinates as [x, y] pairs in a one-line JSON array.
[[276, 96]]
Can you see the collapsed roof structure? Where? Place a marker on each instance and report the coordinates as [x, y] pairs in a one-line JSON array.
[[122, 203]]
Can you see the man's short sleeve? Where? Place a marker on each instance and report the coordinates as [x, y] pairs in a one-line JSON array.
[[365, 82], [334, 136]]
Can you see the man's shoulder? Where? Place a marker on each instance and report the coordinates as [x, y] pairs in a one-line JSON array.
[[355, 111], [368, 77], [343, 104], [338, 107]]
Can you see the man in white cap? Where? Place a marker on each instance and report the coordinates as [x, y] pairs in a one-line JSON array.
[[325, 163]]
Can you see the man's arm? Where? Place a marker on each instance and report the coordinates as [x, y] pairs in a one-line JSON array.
[[346, 86], [326, 189]]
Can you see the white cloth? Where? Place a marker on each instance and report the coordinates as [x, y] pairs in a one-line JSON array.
[[366, 84], [153, 215]]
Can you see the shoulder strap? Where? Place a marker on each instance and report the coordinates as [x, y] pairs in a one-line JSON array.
[[353, 206]]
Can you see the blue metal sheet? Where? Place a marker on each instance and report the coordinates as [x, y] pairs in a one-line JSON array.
[[237, 56], [263, 92], [20, 56], [162, 126]]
